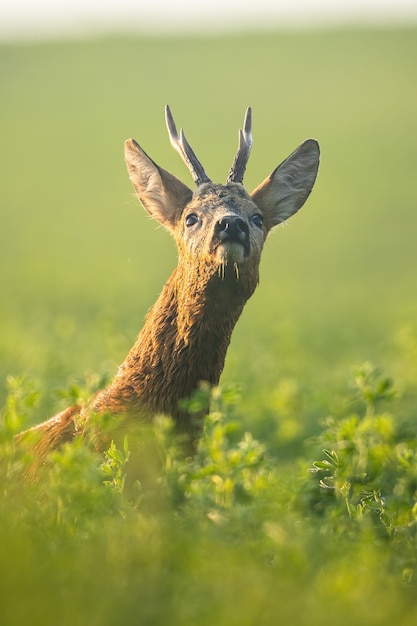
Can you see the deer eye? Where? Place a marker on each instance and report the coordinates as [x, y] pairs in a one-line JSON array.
[[258, 220], [191, 219]]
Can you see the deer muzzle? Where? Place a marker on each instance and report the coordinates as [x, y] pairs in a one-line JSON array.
[[232, 235]]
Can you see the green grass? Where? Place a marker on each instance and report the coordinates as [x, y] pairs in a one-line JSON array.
[[244, 534]]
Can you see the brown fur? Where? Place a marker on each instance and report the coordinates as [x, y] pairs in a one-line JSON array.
[[188, 330]]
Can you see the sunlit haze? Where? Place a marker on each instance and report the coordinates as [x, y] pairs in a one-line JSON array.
[[47, 18]]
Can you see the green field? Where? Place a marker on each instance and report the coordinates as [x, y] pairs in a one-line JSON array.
[[244, 534]]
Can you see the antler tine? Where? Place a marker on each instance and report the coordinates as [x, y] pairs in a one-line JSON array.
[[181, 145], [237, 171]]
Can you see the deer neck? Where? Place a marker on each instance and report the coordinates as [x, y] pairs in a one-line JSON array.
[[183, 342]]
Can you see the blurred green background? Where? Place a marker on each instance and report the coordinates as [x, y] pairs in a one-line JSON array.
[[81, 262]]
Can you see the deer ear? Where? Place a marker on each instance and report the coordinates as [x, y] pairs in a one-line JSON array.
[[288, 187], [163, 195]]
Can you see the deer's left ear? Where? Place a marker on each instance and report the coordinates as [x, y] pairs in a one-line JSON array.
[[162, 194], [289, 185]]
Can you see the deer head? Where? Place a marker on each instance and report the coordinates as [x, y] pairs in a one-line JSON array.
[[222, 227]]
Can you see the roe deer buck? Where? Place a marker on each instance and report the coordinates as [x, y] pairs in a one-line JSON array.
[[220, 231]]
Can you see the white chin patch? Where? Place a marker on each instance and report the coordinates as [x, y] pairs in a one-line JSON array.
[[230, 252]]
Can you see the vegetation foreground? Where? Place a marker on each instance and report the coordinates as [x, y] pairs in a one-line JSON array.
[[230, 537]]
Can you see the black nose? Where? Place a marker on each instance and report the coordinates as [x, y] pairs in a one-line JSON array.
[[233, 227]]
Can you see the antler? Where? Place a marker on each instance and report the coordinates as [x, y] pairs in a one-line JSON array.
[[238, 168], [181, 145]]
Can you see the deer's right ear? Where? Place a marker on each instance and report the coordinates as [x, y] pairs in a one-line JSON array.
[[290, 184], [163, 195]]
